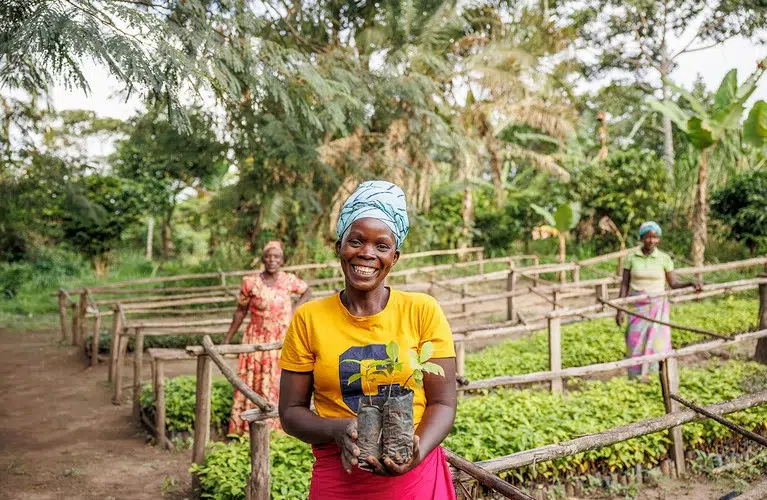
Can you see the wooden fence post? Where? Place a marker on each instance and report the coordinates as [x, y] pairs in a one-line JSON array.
[[482, 261], [95, 341], [158, 380], [555, 352], [460, 358], [63, 314], [75, 322], [511, 285], [669, 379], [258, 487], [122, 352], [577, 273], [464, 294], [117, 328], [82, 323], [222, 277], [760, 354], [138, 372], [202, 409], [554, 302]]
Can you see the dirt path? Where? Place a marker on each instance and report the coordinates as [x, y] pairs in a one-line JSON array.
[[62, 438]]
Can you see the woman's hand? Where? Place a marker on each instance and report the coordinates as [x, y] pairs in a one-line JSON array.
[[619, 318], [390, 468], [345, 436]]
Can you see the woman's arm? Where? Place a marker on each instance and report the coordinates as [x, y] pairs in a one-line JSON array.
[[300, 422], [437, 420], [239, 316], [625, 284], [304, 298], [674, 284]]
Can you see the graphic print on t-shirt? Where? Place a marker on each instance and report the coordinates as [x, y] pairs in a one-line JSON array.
[[352, 393]]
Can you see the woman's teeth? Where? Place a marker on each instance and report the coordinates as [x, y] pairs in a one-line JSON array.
[[364, 270]]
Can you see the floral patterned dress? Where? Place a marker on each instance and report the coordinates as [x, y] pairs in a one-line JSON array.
[[271, 310]]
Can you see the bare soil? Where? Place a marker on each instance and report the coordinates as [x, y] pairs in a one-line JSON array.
[[61, 437]]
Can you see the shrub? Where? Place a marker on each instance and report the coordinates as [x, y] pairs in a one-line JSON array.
[[224, 474], [180, 402], [601, 341], [742, 206], [508, 421]]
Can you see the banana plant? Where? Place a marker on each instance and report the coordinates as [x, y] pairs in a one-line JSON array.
[[559, 223], [706, 126]]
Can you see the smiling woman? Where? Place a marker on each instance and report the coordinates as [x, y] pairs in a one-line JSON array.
[[330, 340]]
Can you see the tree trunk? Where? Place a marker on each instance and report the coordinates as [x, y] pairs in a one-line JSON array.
[[167, 236], [562, 255], [101, 265], [467, 205], [496, 163], [213, 243], [668, 132], [700, 213], [149, 237]]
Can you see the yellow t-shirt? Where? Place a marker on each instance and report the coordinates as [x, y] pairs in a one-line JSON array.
[[323, 333]]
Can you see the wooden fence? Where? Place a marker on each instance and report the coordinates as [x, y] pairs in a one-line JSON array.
[[258, 482]]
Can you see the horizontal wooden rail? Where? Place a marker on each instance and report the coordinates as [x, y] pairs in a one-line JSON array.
[[584, 371], [725, 266], [614, 435], [665, 323], [196, 350], [718, 287], [607, 256], [185, 302]]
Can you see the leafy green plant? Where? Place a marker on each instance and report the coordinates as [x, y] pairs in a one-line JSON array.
[[705, 126], [606, 340], [559, 223], [224, 473], [180, 403], [391, 365], [741, 205], [420, 364]]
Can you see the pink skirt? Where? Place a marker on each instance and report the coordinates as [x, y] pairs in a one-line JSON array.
[[430, 479]]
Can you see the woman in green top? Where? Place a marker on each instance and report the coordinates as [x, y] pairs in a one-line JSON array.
[[646, 272]]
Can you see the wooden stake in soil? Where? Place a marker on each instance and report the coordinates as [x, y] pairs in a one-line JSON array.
[[669, 378], [555, 353], [511, 284], [122, 352], [63, 314], [95, 341], [80, 341], [258, 487], [158, 377], [731, 425], [75, 322], [490, 480], [138, 371], [760, 354], [118, 322], [202, 409]]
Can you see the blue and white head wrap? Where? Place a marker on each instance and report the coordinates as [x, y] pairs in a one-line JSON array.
[[649, 226], [379, 200]]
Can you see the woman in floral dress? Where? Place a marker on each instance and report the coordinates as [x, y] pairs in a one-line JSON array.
[[268, 296]]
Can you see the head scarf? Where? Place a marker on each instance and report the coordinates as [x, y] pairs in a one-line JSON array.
[[379, 200], [273, 244], [649, 226]]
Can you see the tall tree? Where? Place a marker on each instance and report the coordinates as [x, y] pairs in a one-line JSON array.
[[706, 127], [635, 36], [166, 161]]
